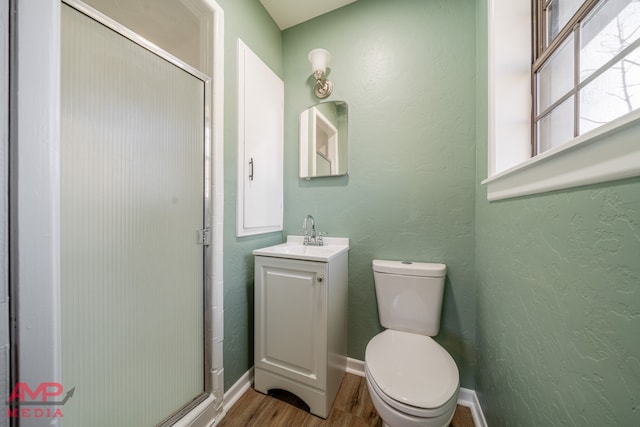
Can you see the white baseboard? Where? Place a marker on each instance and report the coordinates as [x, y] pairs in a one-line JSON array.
[[234, 393], [466, 397], [355, 367], [469, 398]]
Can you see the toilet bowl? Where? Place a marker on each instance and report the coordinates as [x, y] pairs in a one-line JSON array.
[[412, 380]]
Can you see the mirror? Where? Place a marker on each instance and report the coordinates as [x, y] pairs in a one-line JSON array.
[[324, 140]]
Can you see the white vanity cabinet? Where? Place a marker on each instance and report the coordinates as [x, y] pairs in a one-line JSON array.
[[301, 327]]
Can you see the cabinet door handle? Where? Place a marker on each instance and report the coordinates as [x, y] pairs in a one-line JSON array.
[[251, 169], [319, 279]]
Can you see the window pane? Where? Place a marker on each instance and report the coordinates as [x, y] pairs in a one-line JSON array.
[[614, 93], [555, 78], [559, 13], [609, 29], [557, 127]]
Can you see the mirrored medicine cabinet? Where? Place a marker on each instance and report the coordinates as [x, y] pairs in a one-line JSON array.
[[324, 140]]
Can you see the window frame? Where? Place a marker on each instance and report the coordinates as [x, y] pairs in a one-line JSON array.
[[607, 153], [543, 51]]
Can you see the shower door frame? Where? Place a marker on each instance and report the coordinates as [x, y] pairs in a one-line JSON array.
[[133, 37], [35, 199]]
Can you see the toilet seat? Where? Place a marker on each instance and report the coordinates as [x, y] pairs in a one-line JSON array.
[[412, 373], [408, 410]]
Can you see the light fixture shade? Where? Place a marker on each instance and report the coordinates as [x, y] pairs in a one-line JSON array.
[[319, 59]]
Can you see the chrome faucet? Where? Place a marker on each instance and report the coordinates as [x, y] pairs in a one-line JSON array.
[[311, 237]]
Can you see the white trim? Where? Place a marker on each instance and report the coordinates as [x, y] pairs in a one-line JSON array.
[[466, 397], [235, 392], [607, 153], [38, 194], [509, 83], [211, 410], [355, 367], [469, 399], [200, 416], [217, 188]]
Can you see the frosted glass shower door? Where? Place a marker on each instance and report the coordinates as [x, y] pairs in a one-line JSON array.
[[133, 144]]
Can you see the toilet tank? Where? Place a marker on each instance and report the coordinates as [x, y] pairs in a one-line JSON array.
[[409, 295]]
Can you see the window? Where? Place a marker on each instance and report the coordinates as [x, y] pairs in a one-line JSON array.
[[586, 69], [608, 151]]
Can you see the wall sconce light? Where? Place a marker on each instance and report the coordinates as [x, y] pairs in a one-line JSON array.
[[319, 59]]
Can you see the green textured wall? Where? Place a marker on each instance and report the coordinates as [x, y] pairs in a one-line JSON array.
[[558, 302], [247, 20], [407, 70]]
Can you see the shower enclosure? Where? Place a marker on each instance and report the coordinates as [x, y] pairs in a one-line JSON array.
[[114, 299], [133, 221]]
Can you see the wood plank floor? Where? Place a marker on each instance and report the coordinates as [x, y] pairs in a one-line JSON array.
[[352, 408]]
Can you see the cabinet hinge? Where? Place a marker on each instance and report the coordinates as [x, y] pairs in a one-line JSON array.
[[204, 236]]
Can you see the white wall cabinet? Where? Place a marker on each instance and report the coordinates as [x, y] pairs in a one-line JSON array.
[[301, 328], [260, 146]]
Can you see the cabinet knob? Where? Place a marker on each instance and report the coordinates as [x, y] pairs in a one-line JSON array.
[[320, 279]]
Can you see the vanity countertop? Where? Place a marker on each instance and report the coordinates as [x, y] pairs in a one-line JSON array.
[[294, 249]]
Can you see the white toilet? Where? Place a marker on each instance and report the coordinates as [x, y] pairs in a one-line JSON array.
[[412, 380]]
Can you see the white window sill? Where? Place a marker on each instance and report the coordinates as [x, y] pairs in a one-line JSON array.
[[608, 153]]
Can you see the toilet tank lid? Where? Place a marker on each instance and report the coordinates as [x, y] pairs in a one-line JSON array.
[[409, 268]]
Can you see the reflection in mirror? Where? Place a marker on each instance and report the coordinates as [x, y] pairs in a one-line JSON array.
[[324, 140]]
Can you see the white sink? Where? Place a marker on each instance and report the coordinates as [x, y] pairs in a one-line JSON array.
[[294, 249]]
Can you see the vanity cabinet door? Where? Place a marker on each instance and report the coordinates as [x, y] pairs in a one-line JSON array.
[[291, 319]]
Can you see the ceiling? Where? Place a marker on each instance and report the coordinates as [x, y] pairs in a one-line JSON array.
[[287, 13]]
